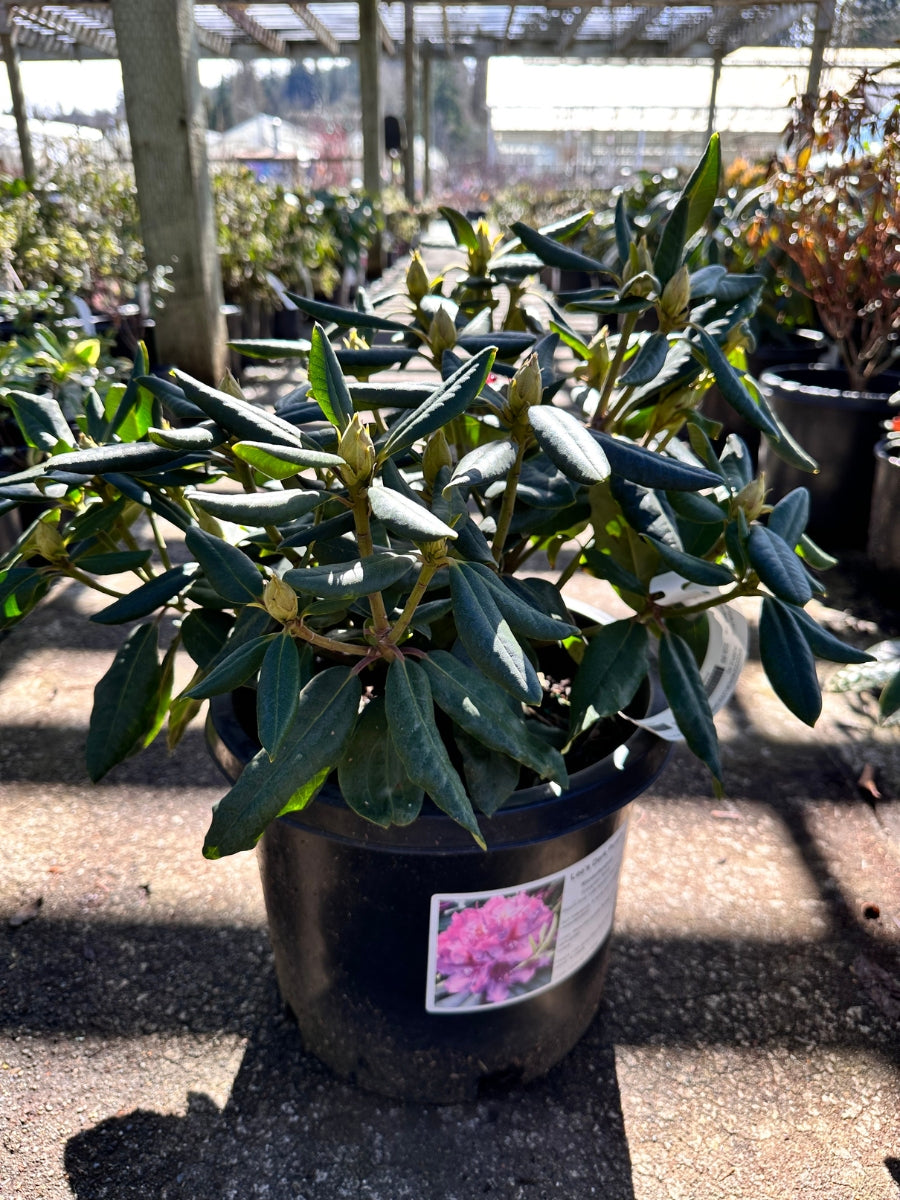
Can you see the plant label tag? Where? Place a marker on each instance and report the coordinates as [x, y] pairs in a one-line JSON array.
[[726, 653], [487, 950]]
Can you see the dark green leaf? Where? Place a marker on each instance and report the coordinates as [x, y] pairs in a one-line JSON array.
[[242, 419], [491, 778], [373, 358], [697, 570], [604, 566], [683, 687], [326, 714], [788, 661], [786, 447], [450, 400], [483, 465], [488, 638], [149, 497], [113, 563], [647, 512], [568, 444], [239, 664], [407, 518], [648, 362], [191, 437], [777, 566], [371, 774], [350, 580], [259, 508], [822, 643], [702, 187], [652, 469], [813, 554], [521, 613], [461, 228], [278, 693], [789, 516], [701, 510], [670, 251], [203, 634], [623, 229], [124, 702], [327, 382], [41, 420], [482, 710], [229, 571], [130, 457], [281, 462], [148, 597], [170, 395], [552, 253], [733, 389], [271, 349], [346, 318], [889, 700], [609, 675], [410, 714]]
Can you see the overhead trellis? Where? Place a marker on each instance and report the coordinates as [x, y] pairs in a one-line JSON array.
[[292, 28]]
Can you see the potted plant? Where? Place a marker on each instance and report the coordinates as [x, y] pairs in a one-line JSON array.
[[884, 530], [434, 752], [833, 211]]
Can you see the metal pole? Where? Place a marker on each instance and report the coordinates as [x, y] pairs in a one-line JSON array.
[[716, 76], [11, 57], [821, 38], [409, 101], [426, 123], [370, 95]]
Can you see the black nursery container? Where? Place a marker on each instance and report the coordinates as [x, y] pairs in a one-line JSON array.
[[355, 913]]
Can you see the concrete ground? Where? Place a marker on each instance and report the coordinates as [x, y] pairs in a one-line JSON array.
[[748, 1046]]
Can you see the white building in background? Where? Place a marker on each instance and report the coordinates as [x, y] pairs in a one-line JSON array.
[[592, 121]]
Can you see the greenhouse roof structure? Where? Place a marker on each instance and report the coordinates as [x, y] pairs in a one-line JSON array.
[[565, 28]]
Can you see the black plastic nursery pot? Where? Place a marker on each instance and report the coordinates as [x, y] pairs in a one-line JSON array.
[[884, 522], [422, 967], [839, 428]]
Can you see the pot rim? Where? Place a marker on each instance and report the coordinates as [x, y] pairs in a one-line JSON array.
[[806, 391]]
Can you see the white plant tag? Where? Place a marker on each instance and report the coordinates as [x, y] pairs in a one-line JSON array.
[[487, 950]]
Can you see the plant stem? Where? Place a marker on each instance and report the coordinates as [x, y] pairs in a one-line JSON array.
[[366, 550], [73, 572], [160, 543], [296, 628], [412, 603], [289, 552], [509, 501], [612, 374], [570, 569]]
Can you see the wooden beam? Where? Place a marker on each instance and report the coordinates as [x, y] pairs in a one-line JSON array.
[[267, 38], [632, 31], [688, 34], [85, 35], [322, 33], [387, 41], [571, 30], [509, 21], [215, 43]]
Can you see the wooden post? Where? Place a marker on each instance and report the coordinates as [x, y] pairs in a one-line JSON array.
[[821, 38], [166, 122], [370, 95], [409, 101], [11, 57]]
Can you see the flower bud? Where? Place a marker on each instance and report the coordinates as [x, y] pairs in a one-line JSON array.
[[639, 262], [280, 599], [751, 497], [525, 386], [49, 543], [436, 456], [479, 259], [416, 278], [433, 552], [677, 295], [358, 452], [441, 334]]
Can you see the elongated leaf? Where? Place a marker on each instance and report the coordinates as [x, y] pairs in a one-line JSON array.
[[148, 597], [281, 462], [150, 498], [327, 381], [822, 643], [681, 682], [522, 614], [371, 774], [788, 661], [124, 702], [461, 227], [40, 419], [346, 318], [786, 446], [604, 566], [697, 570], [113, 563], [789, 516], [278, 693], [203, 634], [778, 566], [171, 396], [238, 664], [407, 518], [410, 714], [482, 710], [488, 638], [331, 528], [648, 362], [670, 252], [126, 456], [702, 187], [240, 418], [623, 229], [326, 714], [552, 253], [373, 358], [733, 389], [490, 777], [450, 400], [609, 675], [250, 623], [815, 555], [367, 396], [229, 571], [471, 544], [259, 508], [652, 469], [700, 510], [508, 344], [350, 580], [483, 465], [192, 437], [271, 349], [568, 444], [889, 700], [648, 512]]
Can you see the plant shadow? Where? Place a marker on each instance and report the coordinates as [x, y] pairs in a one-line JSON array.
[[290, 1131]]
